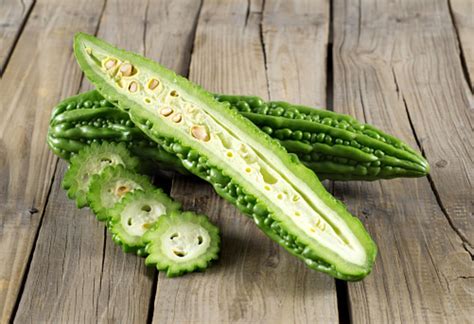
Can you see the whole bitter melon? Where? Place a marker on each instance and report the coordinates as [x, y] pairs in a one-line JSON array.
[[335, 146], [244, 165]]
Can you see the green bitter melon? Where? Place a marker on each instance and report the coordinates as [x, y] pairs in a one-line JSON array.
[[245, 166], [335, 146]]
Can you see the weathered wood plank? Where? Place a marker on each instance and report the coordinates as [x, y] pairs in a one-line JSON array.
[[38, 76], [254, 280], [295, 36], [12, 18], [463, 13], [396, 66], [113, 286], [76, 276]]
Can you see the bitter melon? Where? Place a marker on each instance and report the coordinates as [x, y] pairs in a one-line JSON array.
[[245, 166], [88, 118], [91, 161], [182, 242], [110, 186], [335, 146], [135, 214]]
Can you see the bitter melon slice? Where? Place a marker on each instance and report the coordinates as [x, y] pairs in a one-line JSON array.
[[109, 187], [136, 214], [182, 242], [90, 161]]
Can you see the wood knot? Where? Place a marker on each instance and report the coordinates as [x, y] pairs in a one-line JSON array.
[[441, 163]]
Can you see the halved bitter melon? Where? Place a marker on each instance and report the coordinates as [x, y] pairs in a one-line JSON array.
[[90, 161], [137, 213], [182, 242], [244, 164], [110, 186]]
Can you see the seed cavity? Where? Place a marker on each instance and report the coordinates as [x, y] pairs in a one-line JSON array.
[[153, 84], [126, 69], [146, 208], [177, 118], [173, 93], [179, 253], [200, 132], [267, 177], [200, 240], [133, 86], [122, 190], [166, 111], [110, 63], [147, 100]]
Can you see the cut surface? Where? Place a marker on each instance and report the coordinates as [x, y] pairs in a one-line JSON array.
[[182, 242], [176, 111], [109, 187], [91, 161], [136, 214]]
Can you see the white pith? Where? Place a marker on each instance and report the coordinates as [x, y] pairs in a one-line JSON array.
[[137, 221], [252, 161], [186, 241], [109, 191], [94, 166]]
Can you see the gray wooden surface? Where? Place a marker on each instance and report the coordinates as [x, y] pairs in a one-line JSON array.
[[406, 67]]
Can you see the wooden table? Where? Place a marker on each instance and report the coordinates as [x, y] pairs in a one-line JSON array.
[[405, 66]]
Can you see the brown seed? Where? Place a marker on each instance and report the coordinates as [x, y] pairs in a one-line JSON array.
[[200, 133], [166, 111], [174, 93], [110, 64], [153, 84], [133, 86], [177, 118], [126, 69], [122, 190]]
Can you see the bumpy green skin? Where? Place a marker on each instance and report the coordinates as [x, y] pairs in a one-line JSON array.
[[229, 184], [91, 161], [156, 250], [112, 177], [335, 146], [88, 118], [120, 235]]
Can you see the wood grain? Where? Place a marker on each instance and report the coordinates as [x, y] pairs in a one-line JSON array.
[[78, 277], [462, 13], [96, 281], [295, 36], [396, 66], [13, 15], [41, 71], [254, 280]]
